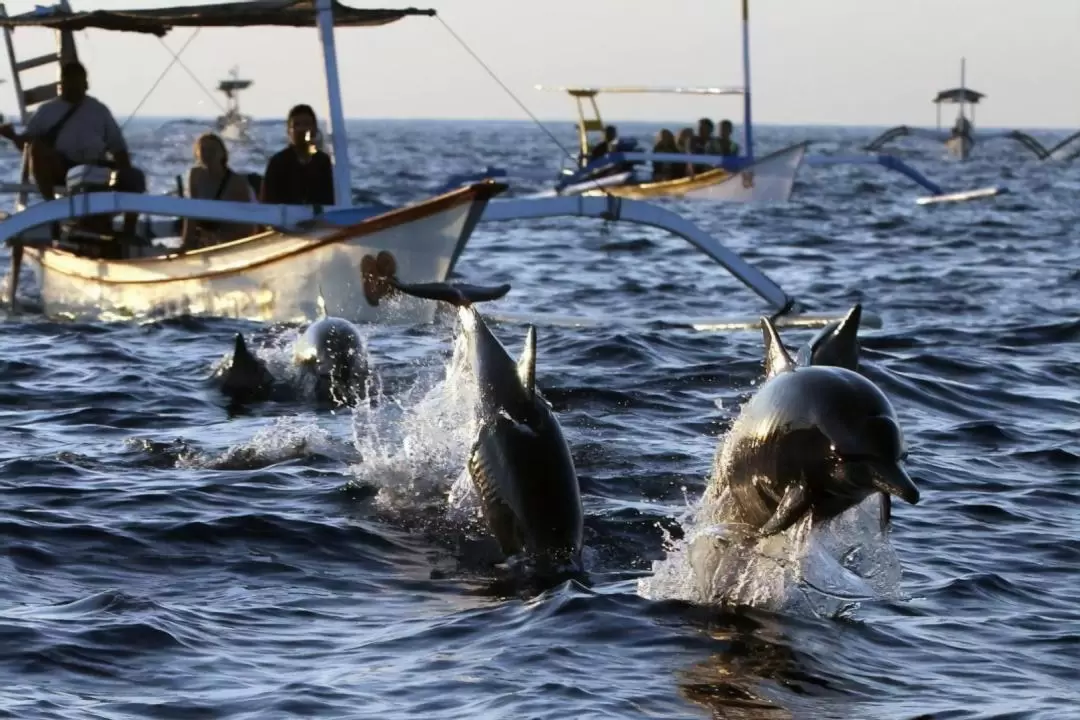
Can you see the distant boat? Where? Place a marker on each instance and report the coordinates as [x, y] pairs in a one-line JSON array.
[[233, 125], [961, 139]]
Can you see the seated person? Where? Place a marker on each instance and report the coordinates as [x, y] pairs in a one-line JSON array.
[[962, 126], [301, 174], [605, 146], [724, 145], [702, 143], [212, 179], [76, 129], [685, 144], [665, 143]]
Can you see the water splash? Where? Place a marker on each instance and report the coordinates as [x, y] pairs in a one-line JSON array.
[[414, 445], [823, 571]]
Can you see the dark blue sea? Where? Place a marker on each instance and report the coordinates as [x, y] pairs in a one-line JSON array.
[[163, 558]]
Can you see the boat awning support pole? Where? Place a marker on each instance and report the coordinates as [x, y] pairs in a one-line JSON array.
[[342, 175], [748, 132]]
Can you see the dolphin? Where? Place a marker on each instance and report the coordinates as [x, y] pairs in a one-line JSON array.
[[331, 351], [245, 378], [815, 439], [519, 462]]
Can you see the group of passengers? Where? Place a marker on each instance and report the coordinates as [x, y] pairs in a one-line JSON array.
[[77, 129], [687, 143]]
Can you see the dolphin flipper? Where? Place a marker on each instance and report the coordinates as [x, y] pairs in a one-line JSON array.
[[526, 365], [777, 359], [459, 295], [886, 511], [794, 504]]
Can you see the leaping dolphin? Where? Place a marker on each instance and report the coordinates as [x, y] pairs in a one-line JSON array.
[[814, 439], [519, 463]]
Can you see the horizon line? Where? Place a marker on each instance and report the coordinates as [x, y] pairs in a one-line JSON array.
[[571, 121]]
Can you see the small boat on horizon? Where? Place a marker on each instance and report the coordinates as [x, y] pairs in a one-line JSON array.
[[961, 139]]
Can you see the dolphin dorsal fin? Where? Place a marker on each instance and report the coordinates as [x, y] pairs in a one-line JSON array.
[[846, 337], [526, 365], [837, 344], [777, 359], [241, 354], [320, 304]]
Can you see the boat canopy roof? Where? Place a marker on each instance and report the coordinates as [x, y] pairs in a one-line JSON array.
[[158, 21], [593, 92], [959, 95]]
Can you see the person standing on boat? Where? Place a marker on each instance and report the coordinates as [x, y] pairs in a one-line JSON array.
[[212, 179], [301, 174], [724, 145], [76, 129]]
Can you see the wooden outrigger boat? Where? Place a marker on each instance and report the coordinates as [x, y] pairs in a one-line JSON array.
[[962, 138], [343, 252], [732, 179]]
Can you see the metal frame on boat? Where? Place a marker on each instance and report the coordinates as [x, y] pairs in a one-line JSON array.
[[276, 275]]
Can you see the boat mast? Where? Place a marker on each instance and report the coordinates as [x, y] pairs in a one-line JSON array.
[[748, 136], [963, 87], [324, 15]]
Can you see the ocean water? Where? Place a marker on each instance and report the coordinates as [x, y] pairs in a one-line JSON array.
[[165, 559]]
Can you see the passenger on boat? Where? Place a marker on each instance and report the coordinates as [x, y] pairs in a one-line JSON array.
[[605, 146], [301, 174], [212, 179], [703, 143], [76, 129], [724, 145], [665, 143], [962, 126], [685, 143]]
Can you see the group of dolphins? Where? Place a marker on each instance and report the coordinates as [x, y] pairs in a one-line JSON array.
[[816, 439]]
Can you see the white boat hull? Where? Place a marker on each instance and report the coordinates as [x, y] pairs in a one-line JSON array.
[[959, 146], [275, 276]]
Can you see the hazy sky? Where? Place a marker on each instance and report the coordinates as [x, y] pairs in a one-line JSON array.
[[876, 62]]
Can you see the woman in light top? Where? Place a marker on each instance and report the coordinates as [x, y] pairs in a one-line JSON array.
[[212, 179]]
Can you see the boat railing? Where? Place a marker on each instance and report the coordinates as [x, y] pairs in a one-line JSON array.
[[88, 204]]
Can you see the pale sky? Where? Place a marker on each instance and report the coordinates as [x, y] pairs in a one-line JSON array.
[[849, 62]]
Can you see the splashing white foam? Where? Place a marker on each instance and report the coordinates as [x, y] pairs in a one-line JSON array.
[[414, 446], [287, 438]]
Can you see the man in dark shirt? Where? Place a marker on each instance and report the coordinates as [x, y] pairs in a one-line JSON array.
[[300, 174]]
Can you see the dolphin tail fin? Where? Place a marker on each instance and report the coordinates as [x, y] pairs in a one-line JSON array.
[[457, 294], [320, 303], [526, 365], [777, 359]]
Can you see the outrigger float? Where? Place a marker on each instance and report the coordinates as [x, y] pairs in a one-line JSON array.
[[961, 140], [738, 179], [343, 253]]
